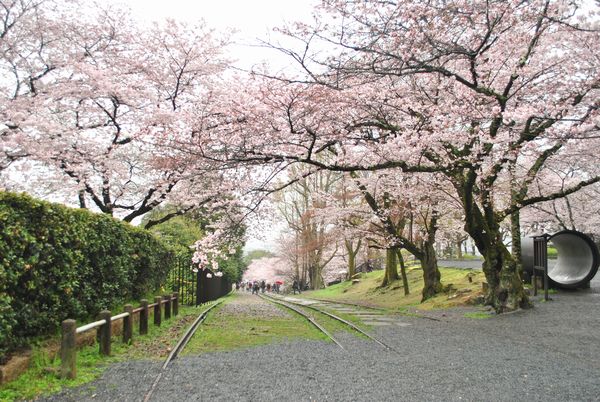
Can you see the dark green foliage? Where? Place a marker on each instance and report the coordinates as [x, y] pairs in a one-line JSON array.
[[58, 262], [179, 232], [257, 255], [234, 266], [183, 231]]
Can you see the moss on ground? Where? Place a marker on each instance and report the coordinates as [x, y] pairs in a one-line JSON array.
[[229, 330], [458, 290], [478, 315]]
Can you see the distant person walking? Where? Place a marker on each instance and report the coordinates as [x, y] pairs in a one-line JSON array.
[[295, 287]]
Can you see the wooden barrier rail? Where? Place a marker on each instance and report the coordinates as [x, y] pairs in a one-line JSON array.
[[68, 352]]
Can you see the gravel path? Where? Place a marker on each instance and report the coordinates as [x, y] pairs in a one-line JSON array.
[[247, 304], [549, 353], [464, 264]]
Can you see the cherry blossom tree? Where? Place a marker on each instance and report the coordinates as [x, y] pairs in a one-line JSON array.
[[269, 269], [408, 213], [27, 58], [578, 211], [462, 88], [98, 102], [299, 204]]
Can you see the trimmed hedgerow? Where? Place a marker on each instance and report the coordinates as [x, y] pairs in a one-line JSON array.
[[58, 262]]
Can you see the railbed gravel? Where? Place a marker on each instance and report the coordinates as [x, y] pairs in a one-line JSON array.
[[550, 353]]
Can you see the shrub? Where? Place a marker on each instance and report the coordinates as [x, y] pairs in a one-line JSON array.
[[57, 262]]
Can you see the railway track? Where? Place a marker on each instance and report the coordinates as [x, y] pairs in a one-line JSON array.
[[179, 347], [294, 306], [366, 307]]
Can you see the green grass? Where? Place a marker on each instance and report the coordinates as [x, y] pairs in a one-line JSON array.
[[470, 257], [221, 331], [332, 325], [227, 331], [368, 291], [42, 379], [478, 315], [348, 317]]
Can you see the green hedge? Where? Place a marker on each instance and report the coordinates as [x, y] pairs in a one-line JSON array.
[[58, 262]]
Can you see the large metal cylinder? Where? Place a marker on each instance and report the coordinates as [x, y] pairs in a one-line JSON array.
[[577, 259]]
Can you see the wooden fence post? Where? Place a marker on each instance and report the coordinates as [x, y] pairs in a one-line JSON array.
[[105, 332], [175, 303], [167, 299], [144, 317], [68, 353], [128, 324], [157, 301]]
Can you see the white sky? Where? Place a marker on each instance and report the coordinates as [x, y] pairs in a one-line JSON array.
[[251, 19]]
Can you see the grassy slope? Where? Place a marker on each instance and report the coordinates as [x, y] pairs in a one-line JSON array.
[[368, 292]]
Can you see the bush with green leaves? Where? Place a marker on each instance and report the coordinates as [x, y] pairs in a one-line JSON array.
[[57, 262], [181, 232]]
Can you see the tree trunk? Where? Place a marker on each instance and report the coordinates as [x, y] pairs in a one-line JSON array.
[[515, 220], [351, 257], [431, 273], [391, 266], [351, 265], [316, 280], [505, 290], [403, 273], [459, 249], [515, 233], [81, 197]]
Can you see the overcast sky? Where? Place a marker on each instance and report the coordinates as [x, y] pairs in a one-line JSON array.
[[251, 18]]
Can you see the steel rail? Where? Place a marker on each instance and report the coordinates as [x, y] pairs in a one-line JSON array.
[[349, 304], [374, 308], [350, 324], [179, 346], [303, 314], [188, 335]]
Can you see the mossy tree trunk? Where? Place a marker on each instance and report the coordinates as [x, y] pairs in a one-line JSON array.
[[391, 266], [403, 273], [515, 233], [352, 253], [423, 250], [432, 283], [432, 278], [315, 277], [505, 288]]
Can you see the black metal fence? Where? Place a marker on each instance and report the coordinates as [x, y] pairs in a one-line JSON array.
[[540, 263], [211, 287], [183, 281], [195, 288]]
